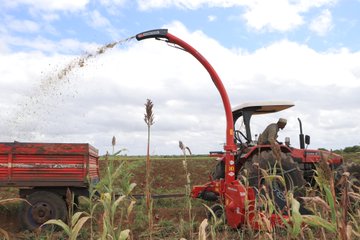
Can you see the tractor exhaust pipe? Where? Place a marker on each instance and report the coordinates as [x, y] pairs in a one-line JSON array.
[[301, 136]]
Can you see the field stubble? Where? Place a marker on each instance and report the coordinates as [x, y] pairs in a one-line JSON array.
[[170, 215]]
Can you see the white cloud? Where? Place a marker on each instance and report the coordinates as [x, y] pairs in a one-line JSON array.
[[272, 15], [107, 96], [97, 20], [212, 18], [287, 60], [23, 26], [306, 5], [50, 17], [322, 24], [113, 2], [276, 15], [48, 5], [188, 4], [3, 47]]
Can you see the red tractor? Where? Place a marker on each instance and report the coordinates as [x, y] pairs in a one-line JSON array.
[[236, 199], [298, 165]]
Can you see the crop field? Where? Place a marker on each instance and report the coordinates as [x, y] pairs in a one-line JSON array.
[[171, 218]]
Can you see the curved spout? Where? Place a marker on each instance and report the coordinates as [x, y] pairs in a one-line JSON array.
[[163, 33], [229, 147]]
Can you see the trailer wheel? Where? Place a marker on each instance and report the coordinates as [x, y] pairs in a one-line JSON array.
[[290, 170], [41, 207]]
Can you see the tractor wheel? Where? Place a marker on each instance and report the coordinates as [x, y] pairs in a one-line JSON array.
[[219, 221], [354, 177], [287, 169], [219, 171], [42, 206], [217, 210], [354, 170]]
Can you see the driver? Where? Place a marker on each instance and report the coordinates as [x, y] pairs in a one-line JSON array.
[[270, 133]]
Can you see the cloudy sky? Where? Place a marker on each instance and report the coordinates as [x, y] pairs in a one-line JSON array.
[[304, 51]]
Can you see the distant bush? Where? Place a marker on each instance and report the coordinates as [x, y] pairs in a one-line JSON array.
[[352, 149]]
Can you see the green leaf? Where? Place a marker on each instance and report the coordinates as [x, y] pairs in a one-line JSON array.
[[60, 224], [130, 208], [124, 234], [117, 172], [94, 208], [296, 216], [118, 152], [331, 202], [116, 203], [130, 188], [75, 218], [317, 221], [77, 227], [211, 212]]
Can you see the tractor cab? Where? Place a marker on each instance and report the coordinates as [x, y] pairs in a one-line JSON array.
[[246, 111], [306, 158]]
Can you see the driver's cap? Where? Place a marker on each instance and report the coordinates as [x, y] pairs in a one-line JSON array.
[[282, 120]]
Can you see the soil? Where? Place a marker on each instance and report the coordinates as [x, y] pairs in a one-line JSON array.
[[168, 176]]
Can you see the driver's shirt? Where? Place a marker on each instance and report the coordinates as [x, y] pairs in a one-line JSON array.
[[269, 133]]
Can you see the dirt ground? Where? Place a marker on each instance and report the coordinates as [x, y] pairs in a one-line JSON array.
[[168, 176]]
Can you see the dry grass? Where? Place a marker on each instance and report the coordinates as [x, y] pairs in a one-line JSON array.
[[334, 217]]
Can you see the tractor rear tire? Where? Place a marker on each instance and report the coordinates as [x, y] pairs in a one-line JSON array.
[[42, 206], [289, 169], [354, 177]]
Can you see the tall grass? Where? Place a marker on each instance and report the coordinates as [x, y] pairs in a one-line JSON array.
[[149, 120], [104, 212], [333, 216], [186, 150], [107, 214]]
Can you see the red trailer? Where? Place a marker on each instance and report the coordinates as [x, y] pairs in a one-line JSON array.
[[44, 172]]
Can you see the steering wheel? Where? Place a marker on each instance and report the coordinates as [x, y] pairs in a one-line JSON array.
[[238, 134]]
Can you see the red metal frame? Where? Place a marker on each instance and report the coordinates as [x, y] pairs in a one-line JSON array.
[[229, 147], [48, 164], [239, 201]]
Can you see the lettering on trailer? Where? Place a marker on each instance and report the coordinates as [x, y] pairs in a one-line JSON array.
[[40, 165]]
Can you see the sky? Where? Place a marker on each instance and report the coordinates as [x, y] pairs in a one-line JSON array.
[[303, 51]]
